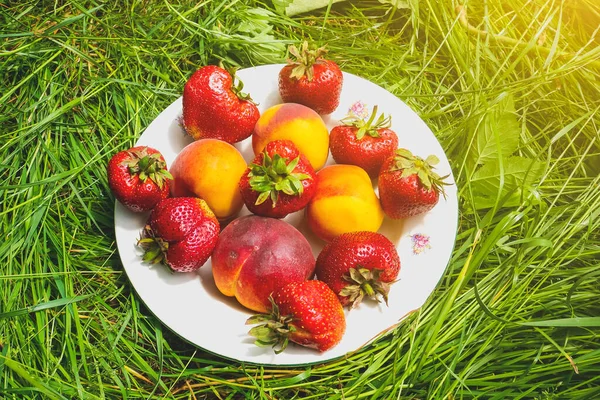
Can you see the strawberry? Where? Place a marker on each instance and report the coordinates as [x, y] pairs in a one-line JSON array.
[[181, 233], [358, 264], [408, 185], [363, 143], [138, 178], [213, 107], [311, 80], [279, 181], [307, 313]]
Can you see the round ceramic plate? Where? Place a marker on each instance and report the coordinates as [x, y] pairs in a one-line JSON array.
[[190, 304]]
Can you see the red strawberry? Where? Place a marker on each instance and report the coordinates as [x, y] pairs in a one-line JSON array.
[[181, 233], [307, 313], [363, 143], [279, 181], [138, 178], [311, 80], [408, 185], [358, 264], [214, 108]]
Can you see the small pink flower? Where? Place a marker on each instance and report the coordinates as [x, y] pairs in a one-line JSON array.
[[420, 243], [359, 109]]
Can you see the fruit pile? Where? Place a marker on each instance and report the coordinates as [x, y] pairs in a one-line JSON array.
[[261, 260]]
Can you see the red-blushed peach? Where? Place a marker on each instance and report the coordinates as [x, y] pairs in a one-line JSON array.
[[256, 255], [210, 169], [344, 201], [297, 123]]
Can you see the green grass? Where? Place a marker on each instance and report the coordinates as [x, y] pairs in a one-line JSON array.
[[512, 91]]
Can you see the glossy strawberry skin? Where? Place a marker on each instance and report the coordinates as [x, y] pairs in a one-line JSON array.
[[370, 250], [211, 108], [128, 189], [318, 316], [286, 204], [190, 229], [403, 197], [322, 93], [369, 152]]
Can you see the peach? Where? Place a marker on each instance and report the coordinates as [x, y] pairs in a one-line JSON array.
[[210, 169], [297, 123], [256, 255], [344, 201]]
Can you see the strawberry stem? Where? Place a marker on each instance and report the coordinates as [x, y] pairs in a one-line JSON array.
[[274, 328], [276, 175], [368, 289], [146, 166], [368, 127], [155, 248], [364, 282], [410, 164], [305, 58], [237, 86]]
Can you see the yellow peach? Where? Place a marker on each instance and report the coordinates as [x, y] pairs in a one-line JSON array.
[[210, 169], [297, 123], [344, 202]]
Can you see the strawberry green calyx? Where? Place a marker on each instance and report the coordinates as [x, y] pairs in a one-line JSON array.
[[276, 175], [237, 88], [274, 329], [146, 166], [410, 164], [305, 59], [368, 127], [237, 85], [365, 282], [155, 249]]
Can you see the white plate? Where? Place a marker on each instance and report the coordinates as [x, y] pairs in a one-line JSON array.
[[190, 304]]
